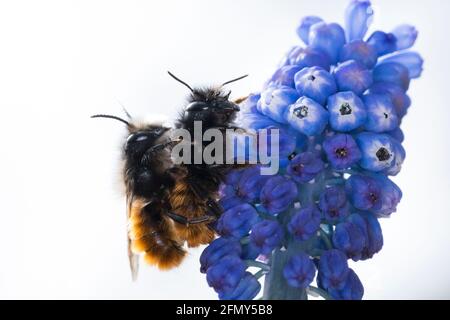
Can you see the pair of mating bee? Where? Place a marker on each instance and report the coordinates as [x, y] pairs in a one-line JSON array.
[[169, 205]]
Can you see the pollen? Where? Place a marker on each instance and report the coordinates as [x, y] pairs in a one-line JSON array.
[[345, 109], [301, 112], [383, 154]]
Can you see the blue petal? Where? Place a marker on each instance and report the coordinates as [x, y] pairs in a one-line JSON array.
[[392, 72], [398, 96], [305, 26], [315, 83], [358, 18], [353, 76], [275, 101], [361, 52], [328, 38], [307, 116], [247, 289], [381, 114], [347, 111], [308, 57], [384, 43], [411, 60], [406, 36]]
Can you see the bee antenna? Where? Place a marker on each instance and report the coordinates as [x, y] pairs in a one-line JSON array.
[[180, 81], [230, 81], [125, 110], [110, 117]]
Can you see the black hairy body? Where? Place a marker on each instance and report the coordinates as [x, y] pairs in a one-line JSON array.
[[169, 205]]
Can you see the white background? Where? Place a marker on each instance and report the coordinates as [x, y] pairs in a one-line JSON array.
[[62, 218]]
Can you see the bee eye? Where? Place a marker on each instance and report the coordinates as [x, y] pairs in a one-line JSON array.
[[141, 138]]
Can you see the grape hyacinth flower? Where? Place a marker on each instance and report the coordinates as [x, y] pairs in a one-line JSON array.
[[342, 151], [304, 223], [338, 101], [305, 166], [347, 111], [315, 83], [307, 116], [333, 204]]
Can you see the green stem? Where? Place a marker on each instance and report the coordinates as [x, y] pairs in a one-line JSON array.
[[314, 291], [260, 274], [325, 239], [245, 240], [263, 266]]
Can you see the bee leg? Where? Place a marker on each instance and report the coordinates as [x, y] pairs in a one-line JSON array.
[[214, 207]]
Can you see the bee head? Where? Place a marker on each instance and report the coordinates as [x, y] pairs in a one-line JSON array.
[[141, 137], [210, 104]]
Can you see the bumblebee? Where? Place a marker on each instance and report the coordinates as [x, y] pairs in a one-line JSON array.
[[170, 205]]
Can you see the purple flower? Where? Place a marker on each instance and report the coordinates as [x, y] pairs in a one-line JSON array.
[[247, 289], [406, 36], [237, 221], [305, 26], [277, 194], [358, 17], [390, 196], [350, 239], [374, 240], [333, 203], [333, 270], [228, 202], [361, 52], [308, 57], [299, 271], [411, 60], [307, 116], [400, 155], [250, 184], [353, 288], [342, 151], [233, 177], [249, 252], [225, 276], [329, 38], [217, 250], [347, 111], [364, 192], [275, 101], [304, 223], [392, 72], [377, 151], [353, 76], [381, 115], [383, 42], [266, 236], [305, 167], [315, 83]]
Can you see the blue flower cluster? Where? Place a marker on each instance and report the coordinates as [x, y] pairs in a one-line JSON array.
[[338, 103]]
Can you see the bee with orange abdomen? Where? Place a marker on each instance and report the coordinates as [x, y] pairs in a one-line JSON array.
[[171, 204]]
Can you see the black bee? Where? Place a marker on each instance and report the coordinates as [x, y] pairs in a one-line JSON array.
[[170, 204]]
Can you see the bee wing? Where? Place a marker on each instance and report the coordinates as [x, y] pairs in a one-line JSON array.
[[132, 257]]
